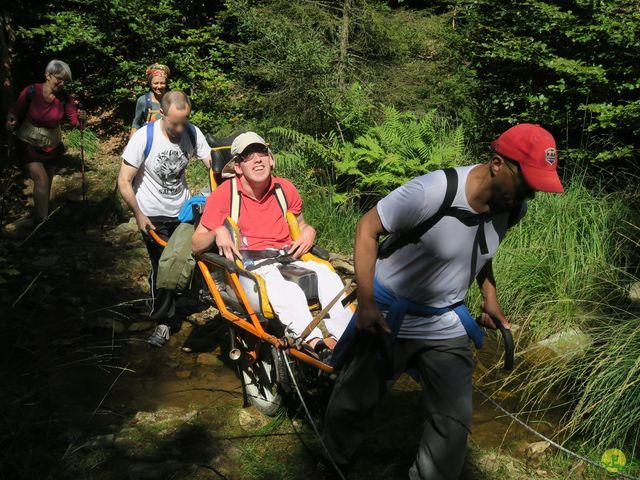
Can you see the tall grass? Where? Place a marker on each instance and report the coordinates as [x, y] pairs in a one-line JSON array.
[[564, 257], [568, 264], [335, 221]]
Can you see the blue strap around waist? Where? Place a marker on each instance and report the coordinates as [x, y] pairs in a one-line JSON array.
[[397, 308], [186, 211]]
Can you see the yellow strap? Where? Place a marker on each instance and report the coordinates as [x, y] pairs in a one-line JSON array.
[[235, 200], [282, 200]]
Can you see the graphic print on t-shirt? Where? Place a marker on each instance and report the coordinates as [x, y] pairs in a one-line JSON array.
[[168, 167]]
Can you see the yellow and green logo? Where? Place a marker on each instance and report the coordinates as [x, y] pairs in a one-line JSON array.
[[614, 460]]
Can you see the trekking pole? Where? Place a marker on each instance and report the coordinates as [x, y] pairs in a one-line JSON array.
[[82, 125], [7, 183]]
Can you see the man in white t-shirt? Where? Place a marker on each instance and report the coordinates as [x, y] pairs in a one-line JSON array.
[[152, 182], [411, 296]]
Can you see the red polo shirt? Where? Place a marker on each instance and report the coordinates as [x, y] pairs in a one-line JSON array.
[[261, 222]]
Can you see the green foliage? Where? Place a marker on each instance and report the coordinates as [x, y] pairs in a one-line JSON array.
[[334, 224], [109, 45], [387, 154], [88, 140], [568, 264], [289, 63], [565, 252], [568, 65]]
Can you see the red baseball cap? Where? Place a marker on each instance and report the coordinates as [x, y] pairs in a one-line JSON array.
[[534, 148]]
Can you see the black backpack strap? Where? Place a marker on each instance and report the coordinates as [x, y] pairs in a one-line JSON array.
[[514, 215], [31, 92], [148, 106], [399, 240], [63, 96], [191, 133]]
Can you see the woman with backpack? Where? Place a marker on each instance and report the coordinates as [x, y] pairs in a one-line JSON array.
[[148, 105], [36, 118]]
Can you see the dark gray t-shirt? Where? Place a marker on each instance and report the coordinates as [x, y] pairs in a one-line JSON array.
[[435, 271], [143, 115]]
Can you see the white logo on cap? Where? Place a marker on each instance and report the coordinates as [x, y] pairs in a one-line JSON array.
[[550, 155]]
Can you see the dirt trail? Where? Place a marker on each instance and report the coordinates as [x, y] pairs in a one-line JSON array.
[[84, 397]]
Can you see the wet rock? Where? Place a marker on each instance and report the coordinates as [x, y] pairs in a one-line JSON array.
[[142, 281], [578, 469], [147, 434], [107, 324], [634, 292], [342, 264], [124, 228], [209, 359], [140, 326], [57, 186], [71, 435], [251, 420], [157, 470], [165, 420], [74, 197], [535, 451], [493, 463], [75, 301], [124, 233], [200, 318], [183, 374], [560, 346], [45, 261], [102, 441]]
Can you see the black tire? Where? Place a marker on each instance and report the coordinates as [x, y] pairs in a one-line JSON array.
[[260, 384]]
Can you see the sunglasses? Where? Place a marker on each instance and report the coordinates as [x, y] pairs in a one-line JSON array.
[[249, 152]]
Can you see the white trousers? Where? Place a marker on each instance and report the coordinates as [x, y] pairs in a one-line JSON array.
[[290, 304]]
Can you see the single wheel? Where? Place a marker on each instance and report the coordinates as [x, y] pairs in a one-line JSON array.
[[260, 383]]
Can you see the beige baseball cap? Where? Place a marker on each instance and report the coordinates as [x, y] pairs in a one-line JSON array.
[[239, 145]]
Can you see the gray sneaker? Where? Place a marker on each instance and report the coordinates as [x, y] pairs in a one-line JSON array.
[[160, 336]]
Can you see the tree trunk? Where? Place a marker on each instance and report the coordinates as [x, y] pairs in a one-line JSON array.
[[7, 41], [344, 42]]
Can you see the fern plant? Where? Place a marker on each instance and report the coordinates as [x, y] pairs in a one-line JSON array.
[[399, 147]]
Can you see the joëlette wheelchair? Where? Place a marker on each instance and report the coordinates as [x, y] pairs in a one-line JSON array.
[[259, 343]]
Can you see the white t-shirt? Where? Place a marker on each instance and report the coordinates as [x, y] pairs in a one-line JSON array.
[[160, 185], [436, 271]]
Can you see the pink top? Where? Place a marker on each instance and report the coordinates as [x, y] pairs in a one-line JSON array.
[[44, 114]]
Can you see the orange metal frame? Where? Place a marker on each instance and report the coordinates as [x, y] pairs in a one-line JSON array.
[[156, 238], [254, 327]]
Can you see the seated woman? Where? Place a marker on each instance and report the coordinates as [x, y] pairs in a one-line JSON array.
[[148, 105], [263, 228]]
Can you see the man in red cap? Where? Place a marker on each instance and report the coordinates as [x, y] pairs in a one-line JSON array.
[[444, 228]]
